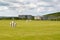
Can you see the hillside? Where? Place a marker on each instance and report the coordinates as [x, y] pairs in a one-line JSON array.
[[54, 14]]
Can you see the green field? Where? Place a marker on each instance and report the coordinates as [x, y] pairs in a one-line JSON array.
[[32, 30]]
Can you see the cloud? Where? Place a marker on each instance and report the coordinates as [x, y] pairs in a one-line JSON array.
[[40, 9], [27, 0], [55, 0], [58, 5], [21, 0], [30, 6], [20, 10], [4, 4], [51, 9], [3, 8], [43, 3], [15, 5], [1, 0]]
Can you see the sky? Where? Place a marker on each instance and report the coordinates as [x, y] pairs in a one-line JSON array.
[[28, 7]]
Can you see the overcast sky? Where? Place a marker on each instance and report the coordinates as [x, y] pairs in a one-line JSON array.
[[28, 7]]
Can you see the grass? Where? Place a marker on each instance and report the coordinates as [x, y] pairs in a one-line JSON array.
[[32, 30]]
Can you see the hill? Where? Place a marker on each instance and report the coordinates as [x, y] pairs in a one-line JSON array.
[[52, 16]]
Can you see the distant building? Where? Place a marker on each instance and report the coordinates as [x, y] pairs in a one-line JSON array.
[[22, 16], [45, 17], [50, 17], [37, 17], [29, 17], [25, 17]]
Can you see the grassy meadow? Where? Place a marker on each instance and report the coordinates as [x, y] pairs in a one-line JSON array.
[[32, 30]]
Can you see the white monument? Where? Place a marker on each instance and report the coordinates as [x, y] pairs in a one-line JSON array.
[[12, 24]]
